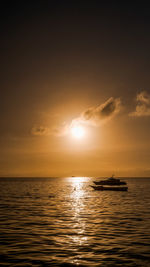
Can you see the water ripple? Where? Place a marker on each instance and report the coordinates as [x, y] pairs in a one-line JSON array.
[[63, 222]]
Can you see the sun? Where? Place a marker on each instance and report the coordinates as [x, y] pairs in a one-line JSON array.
[[77, 131]]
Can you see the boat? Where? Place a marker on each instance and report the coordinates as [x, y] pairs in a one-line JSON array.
[[111, 188], [110, 181]]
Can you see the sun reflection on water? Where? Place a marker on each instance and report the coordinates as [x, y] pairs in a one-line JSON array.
[[78, 179], [78, 207]]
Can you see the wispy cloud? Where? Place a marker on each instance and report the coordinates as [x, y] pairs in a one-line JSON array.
[[40, 130], [143, 105], [93, 116], [97, 115], [103, 112], [58, 130]]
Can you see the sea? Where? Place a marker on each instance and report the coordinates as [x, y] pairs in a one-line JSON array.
[[65, 222]]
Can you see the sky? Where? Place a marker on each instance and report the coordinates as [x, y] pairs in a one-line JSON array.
[[72, 64]]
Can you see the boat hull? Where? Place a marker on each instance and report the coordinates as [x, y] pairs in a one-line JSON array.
[[109, 183], [109, 188]]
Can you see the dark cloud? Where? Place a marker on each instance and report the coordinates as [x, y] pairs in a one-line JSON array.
[[59, 130], [40, 130], [103, 112], [93, 116], [143, 97], [143, 105]]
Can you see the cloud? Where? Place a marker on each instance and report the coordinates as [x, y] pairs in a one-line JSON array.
[[58, 130], [100, 114], [40, 130], [143, 105], [143, 97], [93, 116]]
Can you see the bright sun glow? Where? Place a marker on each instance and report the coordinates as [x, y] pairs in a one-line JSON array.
[[77, 131]]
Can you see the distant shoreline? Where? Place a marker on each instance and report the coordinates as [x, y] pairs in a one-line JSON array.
[[59, 177]]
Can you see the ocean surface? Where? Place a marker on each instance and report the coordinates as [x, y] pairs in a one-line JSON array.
[[64, 222]]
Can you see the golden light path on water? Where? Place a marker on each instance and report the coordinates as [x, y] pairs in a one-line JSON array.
[[78, 212], [81, 210], [64, 222]]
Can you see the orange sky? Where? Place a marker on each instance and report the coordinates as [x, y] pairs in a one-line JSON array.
[[66, 65]]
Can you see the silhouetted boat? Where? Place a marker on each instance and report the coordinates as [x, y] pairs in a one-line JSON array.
[[110, 181], [111, 188]]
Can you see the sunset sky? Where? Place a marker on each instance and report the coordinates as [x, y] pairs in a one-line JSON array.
[[72, 65]]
